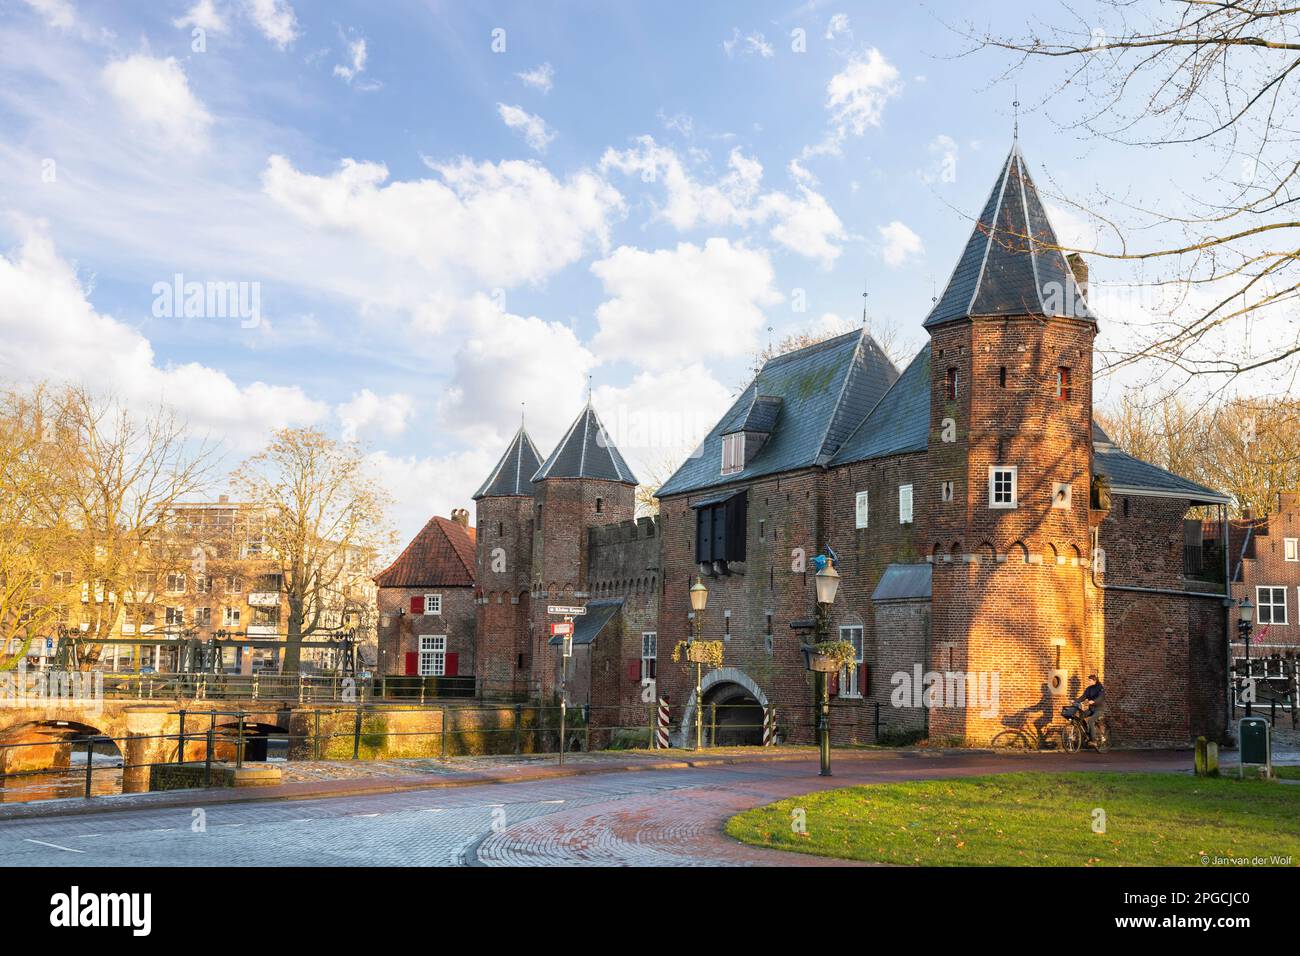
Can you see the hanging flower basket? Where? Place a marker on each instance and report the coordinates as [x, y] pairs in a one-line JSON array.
[[699, 652], [828, 657]]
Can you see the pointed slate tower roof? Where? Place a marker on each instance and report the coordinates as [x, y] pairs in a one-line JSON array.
[[1012, 263], [512, 477], [586, 451]]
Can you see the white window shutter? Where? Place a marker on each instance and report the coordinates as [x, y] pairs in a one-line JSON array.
[[904, 504], [861, 510]]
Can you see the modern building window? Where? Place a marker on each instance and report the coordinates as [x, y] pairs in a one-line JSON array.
[[175, 617], [1290, 549], [1271, 605], [733, 453], [233, 584], [950, 385], [230, 617], [1002, 486], [175, 582], [860, 510], [904, 504], [720, 529], [433, 655], [850, 676], [432, 604], [649, 655], [203, 616], [1062, 384]]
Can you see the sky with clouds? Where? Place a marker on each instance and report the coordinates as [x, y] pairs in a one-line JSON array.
[[449, 214]]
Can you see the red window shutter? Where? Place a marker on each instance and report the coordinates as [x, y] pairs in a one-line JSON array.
[[453, 660], [417, 604], [634, 670], [412, 662], [862, 679], [835, 684]]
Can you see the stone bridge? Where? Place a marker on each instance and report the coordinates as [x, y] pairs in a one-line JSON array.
[[37, 735]]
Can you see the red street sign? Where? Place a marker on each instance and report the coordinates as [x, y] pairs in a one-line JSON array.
[[560, 629]]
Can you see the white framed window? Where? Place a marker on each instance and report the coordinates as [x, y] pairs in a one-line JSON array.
[[1270, 604], [175, 582], [1061, 495], [432, 604], [649, 655], [230, 617], [175, 617], [733, 453], [203, 616], [904, 504], [1291, 549], [860, 510], [433, 655], [849, 686], [1002, 486]]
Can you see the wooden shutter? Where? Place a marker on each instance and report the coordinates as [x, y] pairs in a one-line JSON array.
[[412, 662], [703, 536], [862, 679], [834, 683], [417, 604], [634, 670], [451, 665]]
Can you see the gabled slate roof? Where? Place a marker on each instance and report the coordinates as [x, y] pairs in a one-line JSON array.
[[826, 390], [588, 626], [586, 451], [899, 423], [512, 477], [763, 413], [441, 555], [1012, 263], [1129, 475]]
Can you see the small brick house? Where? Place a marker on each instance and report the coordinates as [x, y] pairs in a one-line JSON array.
[[426, 603]]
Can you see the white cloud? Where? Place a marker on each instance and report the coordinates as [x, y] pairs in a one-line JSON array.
[[804, 223], [534, 129], [856, 98], [838, 25], [901, 244], [49, 330], [205, 16], [356, 64], [500, 223], [155, 96], [753, 43], [275, 19], [943, 167], [57, 13], [504, 360], [426, 486], [540, 78], [368, 413], [684, 304]]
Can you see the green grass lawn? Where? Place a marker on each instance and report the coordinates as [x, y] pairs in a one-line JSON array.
[[1032, 819]]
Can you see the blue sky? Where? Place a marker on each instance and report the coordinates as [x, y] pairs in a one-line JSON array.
[[448, 210]]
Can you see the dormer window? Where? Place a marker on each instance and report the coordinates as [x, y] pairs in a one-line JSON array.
[[733, 453]]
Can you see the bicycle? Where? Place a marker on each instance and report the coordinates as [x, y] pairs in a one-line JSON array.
[[1075, 734]]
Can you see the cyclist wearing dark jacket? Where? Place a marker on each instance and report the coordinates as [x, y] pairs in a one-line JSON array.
[[1094, 696]]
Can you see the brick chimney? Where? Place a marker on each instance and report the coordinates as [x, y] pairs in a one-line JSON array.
[[1080, 269], [460, 516]]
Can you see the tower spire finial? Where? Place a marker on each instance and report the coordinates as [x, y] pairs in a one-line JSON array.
[[523, 410], [1015, 115]]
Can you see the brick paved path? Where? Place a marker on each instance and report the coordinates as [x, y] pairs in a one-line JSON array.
[[664, 817]]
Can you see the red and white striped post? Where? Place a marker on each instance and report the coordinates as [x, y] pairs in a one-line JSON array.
[[769, 726], [661, 725]]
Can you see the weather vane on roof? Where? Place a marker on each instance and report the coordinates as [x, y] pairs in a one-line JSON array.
[[1015, 115]]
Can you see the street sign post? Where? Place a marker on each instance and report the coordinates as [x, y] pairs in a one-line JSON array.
[[565, 611], [565, 632]]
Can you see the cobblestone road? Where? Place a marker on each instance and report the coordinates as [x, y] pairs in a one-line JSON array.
[[641, 818]]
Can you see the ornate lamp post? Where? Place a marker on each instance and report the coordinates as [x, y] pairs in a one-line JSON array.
[[1245, 624], [699, 600], [827, 581]]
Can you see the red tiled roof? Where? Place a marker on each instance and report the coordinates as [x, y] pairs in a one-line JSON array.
[[441, 555]]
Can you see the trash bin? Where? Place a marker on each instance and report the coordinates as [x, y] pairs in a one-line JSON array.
[[1254, 744]]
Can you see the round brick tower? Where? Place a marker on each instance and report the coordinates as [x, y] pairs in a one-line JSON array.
[[1010, 453]]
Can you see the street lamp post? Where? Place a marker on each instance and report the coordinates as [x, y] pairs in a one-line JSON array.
[[699, 600], [1245, 624], [827, 582]]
